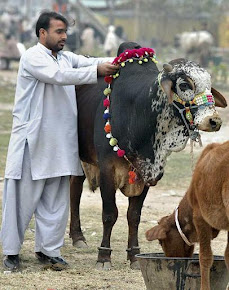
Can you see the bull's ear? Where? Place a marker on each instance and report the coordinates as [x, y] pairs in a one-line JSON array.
[[167, 88], [220, 101], [156, 233]]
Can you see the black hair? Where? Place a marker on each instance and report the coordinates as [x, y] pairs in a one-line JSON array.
[[44, 20]]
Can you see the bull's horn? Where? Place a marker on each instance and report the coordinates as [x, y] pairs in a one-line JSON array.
[[167, 67]]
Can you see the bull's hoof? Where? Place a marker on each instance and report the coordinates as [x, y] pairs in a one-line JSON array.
[[106, 266], [80, 244], [135, 265]]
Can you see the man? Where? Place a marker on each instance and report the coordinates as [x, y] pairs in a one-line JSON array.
[[43, 150]]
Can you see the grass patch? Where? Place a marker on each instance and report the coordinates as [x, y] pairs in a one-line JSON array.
[[7, 92], [4, 140], [178, 170], [5, 121]]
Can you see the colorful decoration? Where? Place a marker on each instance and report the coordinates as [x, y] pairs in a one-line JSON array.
[[203, 99], [132, 177], [141, 55]]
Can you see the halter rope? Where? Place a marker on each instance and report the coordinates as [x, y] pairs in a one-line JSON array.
[[202, 99]]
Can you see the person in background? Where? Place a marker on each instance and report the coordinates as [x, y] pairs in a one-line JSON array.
[[88, 40], [111, 42], [43, 148], [10, 51]]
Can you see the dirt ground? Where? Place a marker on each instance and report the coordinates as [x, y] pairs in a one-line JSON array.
[[161, 200]]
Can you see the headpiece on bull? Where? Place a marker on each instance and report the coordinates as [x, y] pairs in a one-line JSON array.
[[188, 88]]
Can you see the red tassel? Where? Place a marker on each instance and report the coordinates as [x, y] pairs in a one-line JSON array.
[[106, 103], [121, 153], [132, 177], [108, 79]]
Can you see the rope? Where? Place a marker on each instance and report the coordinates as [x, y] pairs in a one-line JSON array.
[[192, 154], [180, 230]]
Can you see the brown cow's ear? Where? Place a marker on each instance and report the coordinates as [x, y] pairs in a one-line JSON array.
[[220, 101], [156, 233], [167, 88]]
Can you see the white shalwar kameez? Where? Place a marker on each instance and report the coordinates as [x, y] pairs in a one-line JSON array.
[[43, 148]]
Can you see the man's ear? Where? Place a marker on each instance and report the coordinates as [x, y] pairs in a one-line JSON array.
[[42, 32]]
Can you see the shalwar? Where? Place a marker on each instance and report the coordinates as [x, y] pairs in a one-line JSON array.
[[48, 199]]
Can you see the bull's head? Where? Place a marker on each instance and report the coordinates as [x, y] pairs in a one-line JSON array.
[[188, 88]]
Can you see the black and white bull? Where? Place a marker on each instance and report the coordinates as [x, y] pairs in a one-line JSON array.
[[149, 120]]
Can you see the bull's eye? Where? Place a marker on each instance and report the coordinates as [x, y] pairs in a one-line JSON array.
[[185, 86]]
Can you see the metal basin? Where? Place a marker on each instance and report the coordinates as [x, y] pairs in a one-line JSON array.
[[167, 273]]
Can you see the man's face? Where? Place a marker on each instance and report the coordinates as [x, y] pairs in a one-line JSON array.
[[55, 37]]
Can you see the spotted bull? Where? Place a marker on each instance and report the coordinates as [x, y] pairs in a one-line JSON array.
[[151, 113]]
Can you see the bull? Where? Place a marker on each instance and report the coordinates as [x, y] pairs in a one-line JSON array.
[[196, 45], [152, 113]]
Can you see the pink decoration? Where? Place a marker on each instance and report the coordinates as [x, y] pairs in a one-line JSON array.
[[106, 103], [130, 53], [121, 153]]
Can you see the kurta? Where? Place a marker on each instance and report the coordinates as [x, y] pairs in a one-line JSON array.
[[45, 112]]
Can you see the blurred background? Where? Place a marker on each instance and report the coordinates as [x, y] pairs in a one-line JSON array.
[[196, 29]]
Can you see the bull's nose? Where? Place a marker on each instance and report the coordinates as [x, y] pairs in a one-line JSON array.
[[215, 123]]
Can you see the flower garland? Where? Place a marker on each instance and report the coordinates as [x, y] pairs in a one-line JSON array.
[[141, 55]]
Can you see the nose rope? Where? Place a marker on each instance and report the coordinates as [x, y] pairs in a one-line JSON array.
[[203, 99], [194, 133]]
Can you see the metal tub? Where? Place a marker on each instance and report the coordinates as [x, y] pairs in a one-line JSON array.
[[166, 273]]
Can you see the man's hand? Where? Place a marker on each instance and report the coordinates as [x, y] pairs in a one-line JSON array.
[[107, 68]]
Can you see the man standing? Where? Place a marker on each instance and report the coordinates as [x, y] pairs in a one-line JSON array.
[[43, 150]]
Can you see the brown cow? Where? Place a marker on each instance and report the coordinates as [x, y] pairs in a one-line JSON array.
[[203, 212]]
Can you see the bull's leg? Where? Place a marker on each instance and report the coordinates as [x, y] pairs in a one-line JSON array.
[[109, 217], [204, 233], [133, 217], [76, 187]]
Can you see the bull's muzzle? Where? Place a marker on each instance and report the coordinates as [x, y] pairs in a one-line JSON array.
[[210, 124]]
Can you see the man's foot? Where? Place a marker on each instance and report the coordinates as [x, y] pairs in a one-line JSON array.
[[42, 257], [11, 262], [54, 263]]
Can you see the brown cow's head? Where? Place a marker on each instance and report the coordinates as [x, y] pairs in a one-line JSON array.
[[183, 82], [169, 238]]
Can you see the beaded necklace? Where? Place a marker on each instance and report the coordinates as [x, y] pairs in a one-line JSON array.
[[141, 55]]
